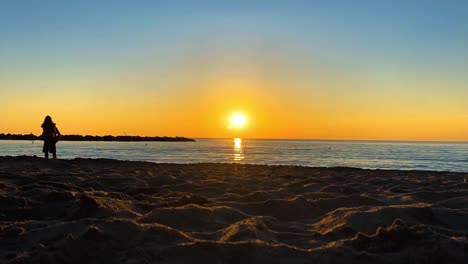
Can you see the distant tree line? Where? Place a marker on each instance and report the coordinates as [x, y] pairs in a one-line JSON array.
[[96, 138]]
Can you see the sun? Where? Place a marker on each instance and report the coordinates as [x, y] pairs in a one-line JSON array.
[[237, 121]]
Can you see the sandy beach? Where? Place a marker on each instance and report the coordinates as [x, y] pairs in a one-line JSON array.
[[108, 211]]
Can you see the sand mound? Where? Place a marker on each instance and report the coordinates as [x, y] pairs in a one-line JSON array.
[[346, 201], [430, 196], [181, 199], [348, 221], [249, 229], [192, 217], [258, 196], [417, 244], [289, 210], [90, 206], [109, 241], [390, 238], [454, 219], [455, 203]]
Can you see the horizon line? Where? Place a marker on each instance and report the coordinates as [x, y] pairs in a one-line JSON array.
[[318, 139], [299, 139]]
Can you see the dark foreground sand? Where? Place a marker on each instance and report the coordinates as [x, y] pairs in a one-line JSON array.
[[106, 211]]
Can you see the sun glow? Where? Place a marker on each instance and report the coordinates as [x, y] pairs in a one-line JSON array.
[[237, 143], [238, 154], [237, 121]]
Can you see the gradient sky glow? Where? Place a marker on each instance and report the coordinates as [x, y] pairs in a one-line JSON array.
[[390, 70]]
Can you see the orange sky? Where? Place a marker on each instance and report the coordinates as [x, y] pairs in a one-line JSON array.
[[202, 108]]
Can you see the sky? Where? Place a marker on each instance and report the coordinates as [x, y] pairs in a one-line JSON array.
[[363, 70]]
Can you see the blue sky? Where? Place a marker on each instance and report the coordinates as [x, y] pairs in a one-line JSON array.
[[377, 29]]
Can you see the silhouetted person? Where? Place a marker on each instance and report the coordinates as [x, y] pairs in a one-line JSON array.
[[51, 135]]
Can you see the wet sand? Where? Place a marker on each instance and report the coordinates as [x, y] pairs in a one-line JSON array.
[[108, 211]]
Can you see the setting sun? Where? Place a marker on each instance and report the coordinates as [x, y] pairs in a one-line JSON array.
[[237, 121]]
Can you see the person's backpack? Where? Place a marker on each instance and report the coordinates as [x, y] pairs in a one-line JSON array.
[[54, 136]]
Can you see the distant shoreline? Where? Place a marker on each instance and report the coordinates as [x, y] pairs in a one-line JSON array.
[[98, 138]]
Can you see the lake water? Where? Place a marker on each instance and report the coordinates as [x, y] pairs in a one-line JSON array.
[[361, 154]]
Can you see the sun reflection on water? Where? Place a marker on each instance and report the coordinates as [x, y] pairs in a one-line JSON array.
[[238, 154]]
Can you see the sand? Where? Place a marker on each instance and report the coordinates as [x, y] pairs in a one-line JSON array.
[[107, 211]]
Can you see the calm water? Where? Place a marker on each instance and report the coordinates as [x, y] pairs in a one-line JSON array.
[[361, 154]]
